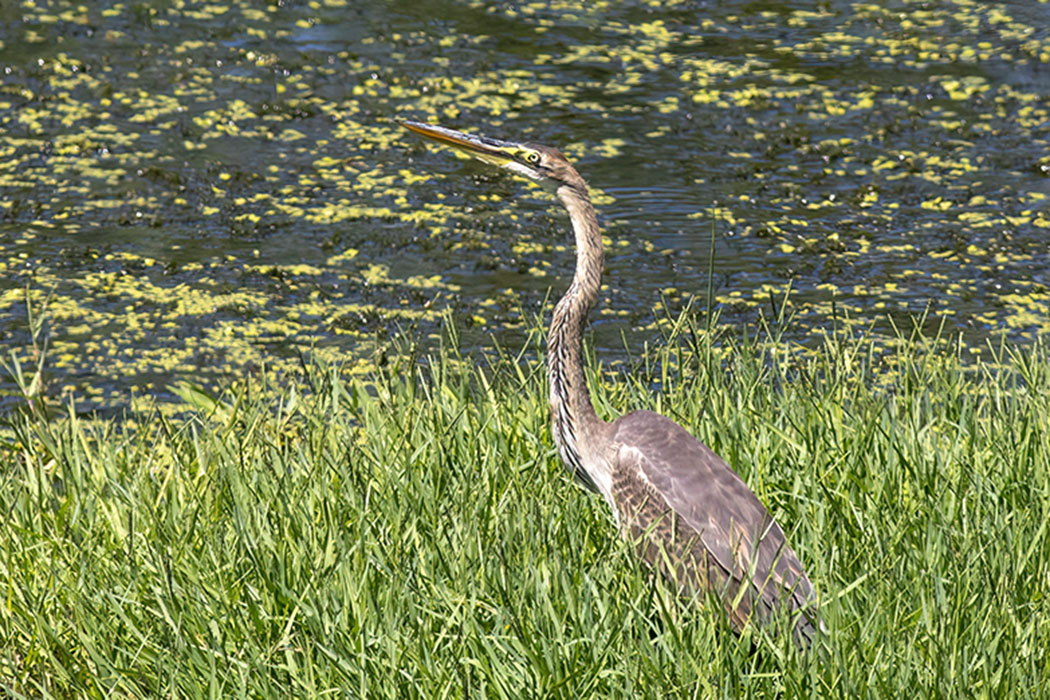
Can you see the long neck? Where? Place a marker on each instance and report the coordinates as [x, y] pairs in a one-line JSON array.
[[572, 414]]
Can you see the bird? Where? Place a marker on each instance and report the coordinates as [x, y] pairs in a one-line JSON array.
[[687, 512]]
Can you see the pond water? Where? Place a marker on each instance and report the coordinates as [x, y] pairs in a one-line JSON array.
[[207, 188]]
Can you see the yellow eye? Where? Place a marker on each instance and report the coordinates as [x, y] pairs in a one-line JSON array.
[[533, 157]]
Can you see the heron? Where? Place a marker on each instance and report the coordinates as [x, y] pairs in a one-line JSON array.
[[687, 512]]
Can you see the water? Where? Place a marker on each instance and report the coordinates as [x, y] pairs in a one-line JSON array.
[[211, 188]]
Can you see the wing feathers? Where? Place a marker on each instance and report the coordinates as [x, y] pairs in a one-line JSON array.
[[697, 521]]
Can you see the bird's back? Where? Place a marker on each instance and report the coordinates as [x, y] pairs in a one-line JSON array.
[[696, 520]]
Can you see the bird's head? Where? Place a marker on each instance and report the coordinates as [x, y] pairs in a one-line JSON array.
[[545, 165]]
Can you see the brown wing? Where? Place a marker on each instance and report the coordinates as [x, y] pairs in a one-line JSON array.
[[697, 521]]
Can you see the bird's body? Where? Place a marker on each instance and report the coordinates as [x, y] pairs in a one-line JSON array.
[[689, 513]]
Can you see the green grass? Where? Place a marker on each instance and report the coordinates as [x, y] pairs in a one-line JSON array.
[[413, 535]]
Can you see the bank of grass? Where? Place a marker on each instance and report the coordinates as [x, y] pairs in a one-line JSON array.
[[413, 535]]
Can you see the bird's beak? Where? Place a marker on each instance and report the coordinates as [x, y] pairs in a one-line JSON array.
[[489, 150]]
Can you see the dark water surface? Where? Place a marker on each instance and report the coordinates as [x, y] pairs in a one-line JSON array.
[[210, 187]]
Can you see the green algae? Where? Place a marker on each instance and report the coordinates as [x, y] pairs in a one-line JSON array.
[[213, 186]]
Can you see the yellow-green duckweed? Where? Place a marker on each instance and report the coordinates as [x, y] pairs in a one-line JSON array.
[[213, 186]]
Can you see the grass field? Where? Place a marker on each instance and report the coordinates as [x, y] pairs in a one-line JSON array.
[[413, 535]]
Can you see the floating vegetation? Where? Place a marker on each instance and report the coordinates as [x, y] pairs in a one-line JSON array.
[[211, 187]]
